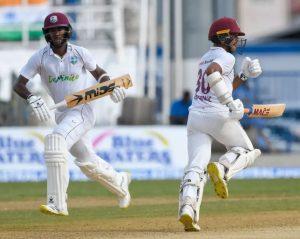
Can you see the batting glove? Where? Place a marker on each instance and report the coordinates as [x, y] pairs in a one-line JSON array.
[[118, 95], [236, 109], [39, 108], [250, 69]]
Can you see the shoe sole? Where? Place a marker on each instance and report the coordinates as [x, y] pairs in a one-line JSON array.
[[44, 209], [219, 184], [189, 225]]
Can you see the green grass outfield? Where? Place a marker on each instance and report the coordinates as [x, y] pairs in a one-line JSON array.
[[267, 205]]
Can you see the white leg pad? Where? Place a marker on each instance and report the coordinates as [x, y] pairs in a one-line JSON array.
[[57, 171], [191, 191], [103, 173], [236, 159]]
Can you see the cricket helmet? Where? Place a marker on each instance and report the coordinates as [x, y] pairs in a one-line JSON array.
[[224, 30], [55, 20], [224, 25]]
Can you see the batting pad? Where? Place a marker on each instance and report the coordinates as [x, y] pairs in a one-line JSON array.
[[236, 159], [191, 192], [103, 173], [57, 171]]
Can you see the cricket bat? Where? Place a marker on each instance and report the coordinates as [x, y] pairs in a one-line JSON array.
[[94, 92], [265, 111]]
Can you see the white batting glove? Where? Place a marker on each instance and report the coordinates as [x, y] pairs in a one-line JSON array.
[[236, 109], [118, 95], [250, 69], [39, 108]]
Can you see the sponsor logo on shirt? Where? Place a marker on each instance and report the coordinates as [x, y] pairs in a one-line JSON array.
[[62, 78]]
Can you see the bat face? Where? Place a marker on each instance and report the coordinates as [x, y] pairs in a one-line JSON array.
[[101, 90], [97, 91], [92, 93], [266, 111]]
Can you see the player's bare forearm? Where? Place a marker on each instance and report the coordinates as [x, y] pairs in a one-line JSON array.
[[100, 75], [237, 81], [20, 87]]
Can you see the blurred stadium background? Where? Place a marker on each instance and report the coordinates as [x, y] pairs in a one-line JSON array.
[[158, 42]]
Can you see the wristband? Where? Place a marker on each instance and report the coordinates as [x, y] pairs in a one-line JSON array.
[[29, 96], [243, 76], [102, 76]]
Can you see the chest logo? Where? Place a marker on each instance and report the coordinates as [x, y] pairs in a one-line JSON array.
[[74, 60]]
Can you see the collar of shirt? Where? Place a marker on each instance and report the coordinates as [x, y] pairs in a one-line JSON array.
[[217, 48], [69, 49]]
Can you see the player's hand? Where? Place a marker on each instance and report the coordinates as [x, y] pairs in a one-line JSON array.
[[250, 68], [39, 108], [236, 109], [118, 95]]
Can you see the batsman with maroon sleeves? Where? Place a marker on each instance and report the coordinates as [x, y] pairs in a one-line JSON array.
[[215, 115]]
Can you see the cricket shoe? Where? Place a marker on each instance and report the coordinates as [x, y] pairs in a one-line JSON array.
[[52, 210], [216, 173], [186, 218], [124, 202]]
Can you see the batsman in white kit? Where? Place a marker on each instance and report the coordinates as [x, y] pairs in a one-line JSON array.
[[63, 70], [215, 115]]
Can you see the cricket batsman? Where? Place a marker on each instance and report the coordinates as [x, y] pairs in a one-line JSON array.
[[215, 115], [63, 70]]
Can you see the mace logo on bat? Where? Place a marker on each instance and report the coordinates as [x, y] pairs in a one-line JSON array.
[[262, 112]]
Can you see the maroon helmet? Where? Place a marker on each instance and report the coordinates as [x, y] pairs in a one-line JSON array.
[[55, 20], [224, 25], [225, 30]]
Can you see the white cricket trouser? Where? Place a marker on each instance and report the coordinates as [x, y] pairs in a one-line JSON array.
[[203, 127], [74, 123]]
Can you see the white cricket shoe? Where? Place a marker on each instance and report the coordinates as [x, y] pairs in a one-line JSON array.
[[51, 209], [124, 202], [186, 218], [216, 173]]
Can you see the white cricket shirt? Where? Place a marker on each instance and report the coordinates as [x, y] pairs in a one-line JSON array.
[[204, 99], [61, 76]]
